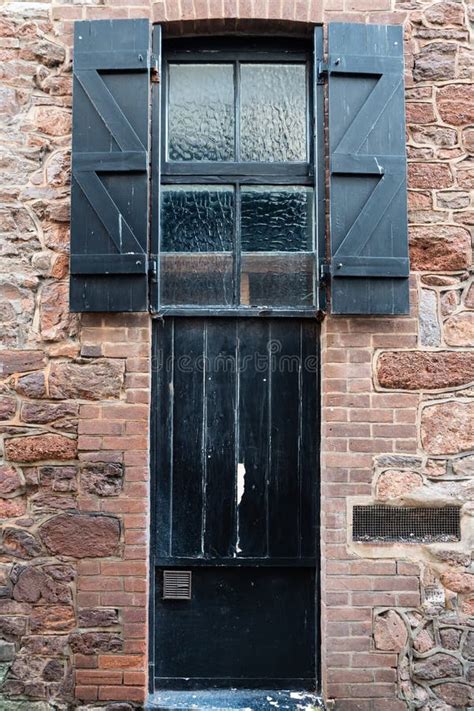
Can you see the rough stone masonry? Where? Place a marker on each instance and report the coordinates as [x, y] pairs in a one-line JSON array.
[[397, 403]]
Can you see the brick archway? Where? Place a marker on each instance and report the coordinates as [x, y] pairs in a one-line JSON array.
[[209, 16]]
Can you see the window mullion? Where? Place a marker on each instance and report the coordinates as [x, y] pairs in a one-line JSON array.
[[238, 246], [237, 110]]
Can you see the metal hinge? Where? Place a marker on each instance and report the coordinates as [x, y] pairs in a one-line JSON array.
[[153, 268], [323, 70], [154, 68], [324, 272]]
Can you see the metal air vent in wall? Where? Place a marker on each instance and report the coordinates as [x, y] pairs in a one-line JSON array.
[[405, 524], [177, 584]]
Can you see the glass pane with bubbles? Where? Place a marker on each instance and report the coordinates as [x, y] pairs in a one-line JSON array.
[[197, 218], [201, 112], [273, 113], [197, 243], [277, 219]]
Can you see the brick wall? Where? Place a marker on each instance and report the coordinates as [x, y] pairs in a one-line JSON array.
[[75, 392]]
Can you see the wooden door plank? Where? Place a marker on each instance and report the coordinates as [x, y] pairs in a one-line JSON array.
[[188, 460], [253, 439], [221, 396], [284, 438]]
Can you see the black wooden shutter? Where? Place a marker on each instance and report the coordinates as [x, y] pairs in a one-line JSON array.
[[368, 203], [110, 151]]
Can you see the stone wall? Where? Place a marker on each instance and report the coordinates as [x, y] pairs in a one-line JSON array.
[[397, 620]]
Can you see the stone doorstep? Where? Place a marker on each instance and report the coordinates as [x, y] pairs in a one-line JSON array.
[[233, 700]]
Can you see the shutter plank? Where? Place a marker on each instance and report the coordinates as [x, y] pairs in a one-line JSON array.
[[369, 232], [110, 158]]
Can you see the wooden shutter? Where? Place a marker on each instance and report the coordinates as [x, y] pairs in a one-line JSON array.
[[110, 150], [368, 203]]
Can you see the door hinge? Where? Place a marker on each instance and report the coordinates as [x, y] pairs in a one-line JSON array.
[[324, 272], [153, 268], [154, 68], [323, 70]]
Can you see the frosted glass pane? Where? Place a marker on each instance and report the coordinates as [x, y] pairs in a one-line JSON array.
[[197, 239], [201, 112], [277, 219], [197, 218], [277, 280], [273, 112], [198, 279]]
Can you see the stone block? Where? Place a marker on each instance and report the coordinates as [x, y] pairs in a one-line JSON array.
[[100, 380], [456, 104], [390, 632], [81, 535], [38, 448], [446, 428], [418, 370]]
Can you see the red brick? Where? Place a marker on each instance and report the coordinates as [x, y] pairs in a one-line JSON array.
[[134, 630], [134, 678], [123, 661], [372, 690], [88, 677], [85, 661], [121, 693], [138, 521], [135, 584], [97, 583], [124, 505], [88, 567], [134, 646], [122, 599], [349, 614], [87, 599], [135, 553], [133, 614], [371, 599], [374, 660]]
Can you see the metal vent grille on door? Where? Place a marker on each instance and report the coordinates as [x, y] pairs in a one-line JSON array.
[[406, 524], [177, 584]]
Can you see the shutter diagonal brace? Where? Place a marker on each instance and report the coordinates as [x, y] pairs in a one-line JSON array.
[[109, 111], [369, 114], [107, 211], [345, 159], [131, 149], [364, 226]]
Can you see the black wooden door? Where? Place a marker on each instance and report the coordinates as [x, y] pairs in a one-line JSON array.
[[235, 505]]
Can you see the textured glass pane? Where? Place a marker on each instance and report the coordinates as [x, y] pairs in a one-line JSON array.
[[273, 112], [197, 218], [277, 219], [277, 280], [197, 239], [201, 112], [197, 279]]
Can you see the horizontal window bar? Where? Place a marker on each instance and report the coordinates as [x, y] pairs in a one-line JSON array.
[[263, 180], [231, 168], [244, 57]]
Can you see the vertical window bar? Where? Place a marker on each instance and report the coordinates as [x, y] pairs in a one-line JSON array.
[[238, 246], [237, 226], [237, 110]]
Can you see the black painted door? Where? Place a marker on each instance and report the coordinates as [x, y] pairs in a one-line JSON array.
[[235, 502]]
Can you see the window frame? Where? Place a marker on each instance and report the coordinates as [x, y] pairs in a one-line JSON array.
[[230, 49]]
